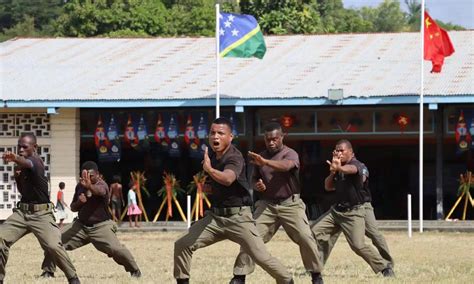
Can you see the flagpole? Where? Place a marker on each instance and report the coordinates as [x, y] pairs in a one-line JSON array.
[[218, 99], [421, 114]]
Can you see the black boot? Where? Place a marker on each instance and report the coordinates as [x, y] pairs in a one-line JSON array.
[[74, 280], [136, 274], [237, 279], [388, 272], [182, 281], [47, 274], [316, 278]]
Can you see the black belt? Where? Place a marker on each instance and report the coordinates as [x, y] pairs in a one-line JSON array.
[[346, 208], [279, 201], [31, 207], [227, 211]]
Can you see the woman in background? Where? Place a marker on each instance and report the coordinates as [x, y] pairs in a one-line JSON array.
[[133, 210], [61, 205]]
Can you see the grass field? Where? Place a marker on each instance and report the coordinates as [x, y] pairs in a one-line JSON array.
[[426, 258]]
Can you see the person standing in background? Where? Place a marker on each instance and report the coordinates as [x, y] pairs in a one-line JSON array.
[[116, 198], [133, 210], [61, 205]]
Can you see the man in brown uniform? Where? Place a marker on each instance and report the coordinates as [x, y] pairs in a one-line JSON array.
[[371, 229], [230, 216], [347, 178], [276, 181], [94, 224], [34, 212]]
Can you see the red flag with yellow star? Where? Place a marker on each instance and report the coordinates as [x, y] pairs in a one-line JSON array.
[[437, 44]]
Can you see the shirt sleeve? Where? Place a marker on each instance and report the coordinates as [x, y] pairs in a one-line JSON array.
[[103, 188], [365, 171], [361, 169], [291, 155], [235, 164], [35, 163]]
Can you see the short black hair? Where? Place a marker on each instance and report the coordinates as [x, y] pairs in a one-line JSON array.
[[272, 126], [116, 179], [346, 142], [62, 185], [30, 135], [89, 165], [131, 184], [223, 120]]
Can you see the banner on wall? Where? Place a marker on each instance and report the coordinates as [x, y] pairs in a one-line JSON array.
[[463, 137], [196, 134], [161, 138], [172, 133], [471, 129], [142, 134], [130, 135], [107, 141], [190, 137]]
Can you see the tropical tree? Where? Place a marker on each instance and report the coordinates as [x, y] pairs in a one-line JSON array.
[[85, 18], [191, 17]]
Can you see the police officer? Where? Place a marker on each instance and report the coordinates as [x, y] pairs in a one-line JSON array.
[[348, 179], [94, 224], [230, 216], [276, 180], [371, 229], [34, 212]]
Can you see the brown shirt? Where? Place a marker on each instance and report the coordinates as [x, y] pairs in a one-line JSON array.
[[351, 189], [32, 183], [236, 194], [95, 209], [280, 185]]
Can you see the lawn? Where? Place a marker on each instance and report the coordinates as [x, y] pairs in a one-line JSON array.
[[428, 257]]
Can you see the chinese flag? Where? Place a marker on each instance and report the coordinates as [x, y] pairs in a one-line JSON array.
[[437, 44]]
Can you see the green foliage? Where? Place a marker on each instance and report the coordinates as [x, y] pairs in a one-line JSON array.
[[13, 12], [302, 19], [191, 17], [147, 18], [27, 18], [85, 18], [389, 17], [414, 15], [26, 28], [449, 26]]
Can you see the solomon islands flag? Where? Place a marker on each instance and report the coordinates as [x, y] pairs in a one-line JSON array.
[[240, 36]]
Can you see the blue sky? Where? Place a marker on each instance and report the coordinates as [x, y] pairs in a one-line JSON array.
[[460, 12]]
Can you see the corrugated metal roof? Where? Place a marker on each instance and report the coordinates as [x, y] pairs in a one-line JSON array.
[[300, 66]]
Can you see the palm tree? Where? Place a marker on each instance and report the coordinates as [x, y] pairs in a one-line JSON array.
[[414, 10]]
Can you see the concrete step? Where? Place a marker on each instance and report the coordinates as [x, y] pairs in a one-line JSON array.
[[394, 225]]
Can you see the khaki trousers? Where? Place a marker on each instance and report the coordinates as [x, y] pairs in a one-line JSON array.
[[292, 216], [371, 231], [43, 225], [239, 228], [102, 236], [352, 224]]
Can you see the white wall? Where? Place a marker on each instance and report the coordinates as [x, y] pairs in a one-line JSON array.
[[65, 151]]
